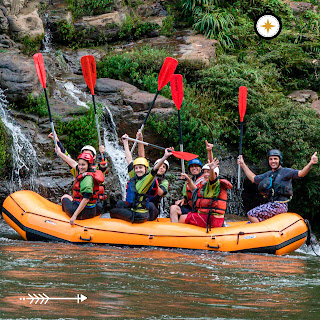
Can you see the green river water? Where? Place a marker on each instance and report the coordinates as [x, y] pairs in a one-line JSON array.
[[153, 283]]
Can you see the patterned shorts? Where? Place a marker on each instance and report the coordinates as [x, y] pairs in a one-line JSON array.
[[268, 210]]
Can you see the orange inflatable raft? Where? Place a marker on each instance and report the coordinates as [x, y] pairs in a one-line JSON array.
[[36, 218]]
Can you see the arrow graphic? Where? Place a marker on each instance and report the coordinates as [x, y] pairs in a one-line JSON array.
[[43, 298]]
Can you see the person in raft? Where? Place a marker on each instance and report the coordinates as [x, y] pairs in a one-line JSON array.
[[163, 183], [275, 185], [102, 166], [183, 205], [137, 207], [209, 200], [82, 204]]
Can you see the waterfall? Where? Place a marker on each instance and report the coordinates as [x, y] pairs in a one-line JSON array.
[[47, 40], [74, 93], [115, 152], [24, 158]]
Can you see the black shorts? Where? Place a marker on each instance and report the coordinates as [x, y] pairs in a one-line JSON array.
[[185, 209], [69, 207]]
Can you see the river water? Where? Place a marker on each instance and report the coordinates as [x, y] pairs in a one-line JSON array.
[[154, 283]]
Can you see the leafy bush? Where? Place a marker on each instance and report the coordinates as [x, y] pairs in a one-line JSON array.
[[134, 28], [167, 28], [81, 130], [80, 8], [30, 46], [5, 154], [36, 105]]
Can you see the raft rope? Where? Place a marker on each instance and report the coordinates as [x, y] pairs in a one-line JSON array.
[[308, 240]]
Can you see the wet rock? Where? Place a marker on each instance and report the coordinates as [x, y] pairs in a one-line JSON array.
[[6, 42], [132, 96], [18, 76], [13, 6], [4, 23], [303, 96], [198, 47], [316, 106], [104, 19], [24, 19], [298, 7]]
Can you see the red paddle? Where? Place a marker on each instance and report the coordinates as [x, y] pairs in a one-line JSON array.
[[176, 83], [41, 72], [167, 70], [178, 154], [88, 65], [242, 110]]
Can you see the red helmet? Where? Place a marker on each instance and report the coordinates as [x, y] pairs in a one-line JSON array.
[[86, 156]]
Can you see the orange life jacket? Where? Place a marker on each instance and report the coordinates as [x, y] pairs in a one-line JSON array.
[[198, 182], [212, 205], [98, 178]]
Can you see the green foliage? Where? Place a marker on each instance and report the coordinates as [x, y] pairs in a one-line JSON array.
[[30, 46], [140, 67], [80, 8], [134, 28], [36, 105], [167, 28], [211, 20], [81, 130], [5, 155], [65, 31]]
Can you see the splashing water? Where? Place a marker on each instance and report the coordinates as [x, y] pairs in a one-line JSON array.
[[75, 93], [47, 40], [114, 151], [25, 163]]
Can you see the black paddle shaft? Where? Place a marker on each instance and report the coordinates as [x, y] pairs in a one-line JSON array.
[[49, 111]]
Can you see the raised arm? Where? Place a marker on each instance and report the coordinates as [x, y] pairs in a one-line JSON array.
[[166, 155], [72, 163], [250, 175], [306, 169], [209, 147], [189, 181], [126, 148], [214, 164], [141, 152]]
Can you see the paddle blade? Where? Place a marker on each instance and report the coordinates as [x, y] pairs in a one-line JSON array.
[[88, 65], [41, 71], [176, 83], [167, 70], [184, 155], [242, 101]]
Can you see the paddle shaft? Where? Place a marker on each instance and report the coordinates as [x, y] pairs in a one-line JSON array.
[[146, 143], [50, 118], [240, 152], [181, 142], [146, 118], [97, 124]]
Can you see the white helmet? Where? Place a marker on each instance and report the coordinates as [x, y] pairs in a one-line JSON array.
[[166, 162], [90, 148], [206, 166]]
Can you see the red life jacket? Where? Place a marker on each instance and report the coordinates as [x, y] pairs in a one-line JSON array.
[[98, 178], [212, 205]]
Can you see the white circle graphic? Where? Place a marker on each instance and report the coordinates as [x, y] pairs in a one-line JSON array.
[[268, 26]]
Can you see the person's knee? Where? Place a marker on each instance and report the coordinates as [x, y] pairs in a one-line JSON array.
[[174, 209]]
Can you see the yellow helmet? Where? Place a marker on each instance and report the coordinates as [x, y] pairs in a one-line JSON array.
[[142, 161]]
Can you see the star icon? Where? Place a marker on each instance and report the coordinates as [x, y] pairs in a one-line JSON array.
[[268, 26]]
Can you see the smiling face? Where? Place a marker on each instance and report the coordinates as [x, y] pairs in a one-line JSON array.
[[83, 166], [195, 169], [162, 170], [206, 173], [140, 170], [274, 162]]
